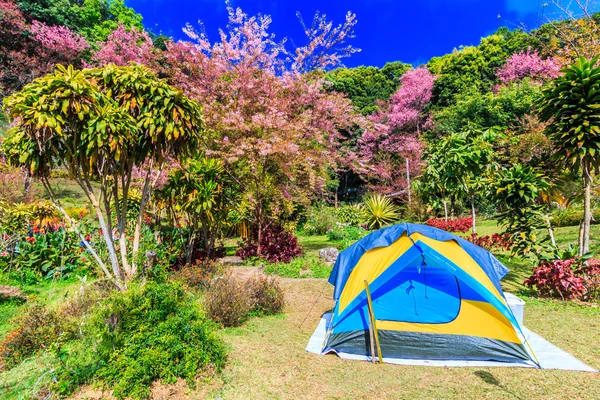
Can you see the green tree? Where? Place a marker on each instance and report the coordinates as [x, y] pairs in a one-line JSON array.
[[571, 105], [456, 165], [101, 124], [365, 86], [517, 191]]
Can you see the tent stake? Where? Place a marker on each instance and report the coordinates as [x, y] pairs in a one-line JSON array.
[[373, 326]]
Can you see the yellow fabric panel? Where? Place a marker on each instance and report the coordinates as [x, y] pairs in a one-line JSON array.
[[370, 266], [453, 252], [475, 318]]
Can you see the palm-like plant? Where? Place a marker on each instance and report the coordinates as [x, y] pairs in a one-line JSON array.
[[379, 210], [572, 105]]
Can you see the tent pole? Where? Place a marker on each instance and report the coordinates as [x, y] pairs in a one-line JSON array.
[[373, 326]]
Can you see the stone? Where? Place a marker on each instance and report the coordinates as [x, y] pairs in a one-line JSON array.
[[230, 260], [329, 255]]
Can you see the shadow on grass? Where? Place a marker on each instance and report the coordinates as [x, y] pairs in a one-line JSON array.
[[490, 379]]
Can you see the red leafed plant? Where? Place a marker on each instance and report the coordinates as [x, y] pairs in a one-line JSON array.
[[276, 245], [568, 279], [495, 242], [452, 225]]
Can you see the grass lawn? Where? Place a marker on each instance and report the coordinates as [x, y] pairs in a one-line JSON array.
[[268, 360], [267, 357]]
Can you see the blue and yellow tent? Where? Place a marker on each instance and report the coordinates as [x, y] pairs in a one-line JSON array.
[[435, 296]]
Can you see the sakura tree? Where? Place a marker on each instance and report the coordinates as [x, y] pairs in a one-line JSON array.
[[391, 147], [123, 46], [274, 126], [528, 64]]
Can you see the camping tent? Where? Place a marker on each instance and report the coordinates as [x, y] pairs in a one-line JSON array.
[[433, 296]]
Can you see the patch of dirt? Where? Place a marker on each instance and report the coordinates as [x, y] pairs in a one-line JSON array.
[[247, 272], [11, 292]]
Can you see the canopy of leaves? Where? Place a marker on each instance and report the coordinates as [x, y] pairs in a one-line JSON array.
[[366, 86], [571, 105]]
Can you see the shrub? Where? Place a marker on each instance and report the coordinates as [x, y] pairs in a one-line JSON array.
[[228, 300], [567, 279], [346, 234], [557, 279], [267, 294], [277, 245], [572, 217], [379, 210], [152, 332], [452, 225], [199, 275], [495, 242], [301, 267], [350, 214], [37, 329], [319, 220]]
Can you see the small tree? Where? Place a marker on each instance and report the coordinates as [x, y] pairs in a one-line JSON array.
[[571, 106], [100, 124], [517, 191]]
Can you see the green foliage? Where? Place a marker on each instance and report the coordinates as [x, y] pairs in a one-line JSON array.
[[346, 234], [507, 108], [320, 219], [150, 332], [473, 69], [367, 85], [571, 104], [350, 214], [379, 211], [516, 191], [95, 19], [301, 267], [571, 217]]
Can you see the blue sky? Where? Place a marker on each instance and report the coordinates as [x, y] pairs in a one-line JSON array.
[[387, 30]]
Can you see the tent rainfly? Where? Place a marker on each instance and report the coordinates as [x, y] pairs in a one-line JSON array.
[[422, 293]]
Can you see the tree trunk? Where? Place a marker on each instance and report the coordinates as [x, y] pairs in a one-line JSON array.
[[473, 216], [550, 231], [445, 210], [408, 181], [587, 211]]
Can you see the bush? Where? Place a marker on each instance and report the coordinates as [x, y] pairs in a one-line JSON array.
[[567, 279], [277, 245], [461, 225], [346, 234], [320, 219], [152, 332], [37, 329], [350, 214], [228, 300], [267, 295], [495, 242], [572, 217], [199, 275]]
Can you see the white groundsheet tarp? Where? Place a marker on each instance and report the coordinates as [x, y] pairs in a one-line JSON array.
[[549, 356]]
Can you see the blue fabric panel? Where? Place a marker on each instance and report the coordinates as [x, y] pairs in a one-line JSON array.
[[467, 293], [348, 259], [427, 295]]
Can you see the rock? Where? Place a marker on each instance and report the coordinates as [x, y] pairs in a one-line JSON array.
[[230, 260], [11, 292], [329, 255]]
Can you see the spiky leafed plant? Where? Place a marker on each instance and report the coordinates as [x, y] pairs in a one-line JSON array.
[[572, 106], [379, 210]]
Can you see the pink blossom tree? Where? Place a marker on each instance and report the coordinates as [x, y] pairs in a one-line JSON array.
[[124, 46], [59, 41], [275, 128], [391, 148], [528, 64]]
